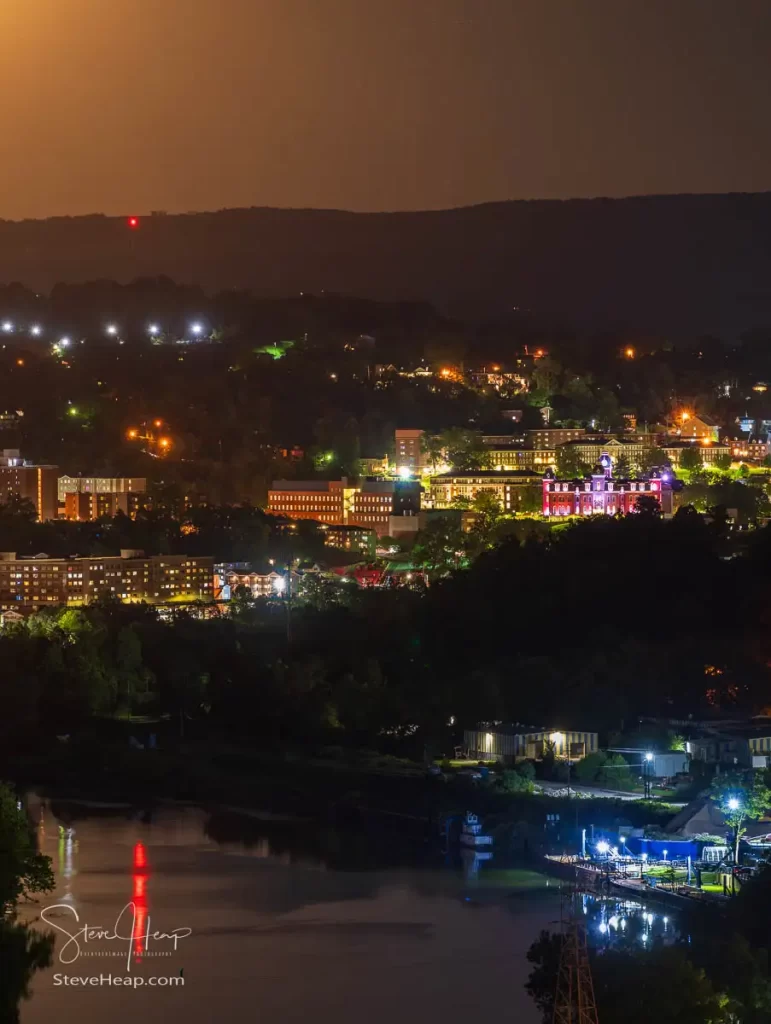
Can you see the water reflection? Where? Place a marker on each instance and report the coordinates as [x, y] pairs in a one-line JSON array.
[[614, 923], [360, 912]]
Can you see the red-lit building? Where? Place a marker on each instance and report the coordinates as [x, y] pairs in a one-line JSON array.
[[600, 494]]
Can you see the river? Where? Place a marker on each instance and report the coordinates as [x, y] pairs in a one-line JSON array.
[[287, 922]]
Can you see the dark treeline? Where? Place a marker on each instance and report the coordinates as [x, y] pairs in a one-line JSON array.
[[588, 627]]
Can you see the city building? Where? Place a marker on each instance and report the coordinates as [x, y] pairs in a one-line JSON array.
[[632, 447], [131, 576], [496, 743], [229, 577], [37, 484], [369, 504], [496, 377], [600, 494], [742, 744], [751, 449], [516, 457], [100, 485], [507, 487], [688, 425], [408, 448], [708, 450], [550, 437], [89, 505], [350, 538]]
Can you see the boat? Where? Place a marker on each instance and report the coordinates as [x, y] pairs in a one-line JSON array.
[[471, 835]]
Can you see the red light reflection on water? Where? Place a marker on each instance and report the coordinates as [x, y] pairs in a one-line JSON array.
[[139, 899]]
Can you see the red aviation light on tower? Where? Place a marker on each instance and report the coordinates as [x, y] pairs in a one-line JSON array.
[[133, 222]]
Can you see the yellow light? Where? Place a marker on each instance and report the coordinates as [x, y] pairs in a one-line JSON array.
[[685, 416], [706, 440], [445, 373], [496, 368], [164, 442], [132, 434], [157, 423], [629, 353], [555, 737], [20, 362]]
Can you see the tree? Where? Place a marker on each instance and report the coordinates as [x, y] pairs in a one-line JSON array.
[[652, 458], [622, 468], [23, 871], [741, 797], [487, 511], [465, 450], [690, 460], [648, 506], [432, 447], [743, 472], [569, 462], [722, 462]]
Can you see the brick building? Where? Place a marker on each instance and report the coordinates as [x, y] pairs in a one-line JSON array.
[[37, 484], [369, 504], [91, 505], [600, 494], [131, 576]]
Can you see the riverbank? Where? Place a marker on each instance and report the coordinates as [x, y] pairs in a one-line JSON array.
[[332, 785]]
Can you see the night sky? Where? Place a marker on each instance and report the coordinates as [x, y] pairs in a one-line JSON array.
[[132, 105]]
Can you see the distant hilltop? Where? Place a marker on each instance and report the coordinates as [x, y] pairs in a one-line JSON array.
[[683, 264]]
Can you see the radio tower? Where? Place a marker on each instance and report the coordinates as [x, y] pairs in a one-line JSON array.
[[574, 1000]]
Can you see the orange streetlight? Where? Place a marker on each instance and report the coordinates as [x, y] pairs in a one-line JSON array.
[[165, 442], [132, 434], [629, 352], [157, 423], [20, 362]]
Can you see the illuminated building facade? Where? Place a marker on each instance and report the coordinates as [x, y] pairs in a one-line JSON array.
[[507, 744], [507, 487], [88, 506], [37, 484], [749, 449], [708, 450], [369, 504], [100, 485], [516, 457], [408, 447], [550, 437], [600, 494], [688, 425], [130, 576], [633, 449]]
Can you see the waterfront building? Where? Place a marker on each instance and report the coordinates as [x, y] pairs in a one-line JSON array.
[[508, 743]]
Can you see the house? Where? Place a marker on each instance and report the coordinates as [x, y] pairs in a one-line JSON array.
[[744, 745], [507, 743]]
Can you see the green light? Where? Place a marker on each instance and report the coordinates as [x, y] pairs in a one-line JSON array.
[[72, 411]]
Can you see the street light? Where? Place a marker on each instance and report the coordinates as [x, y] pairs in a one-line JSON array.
[[733, 804], [602, 847], [64, 342], [196, 329], [7, 326], [153, 329], [111, 329], [36, 329]]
